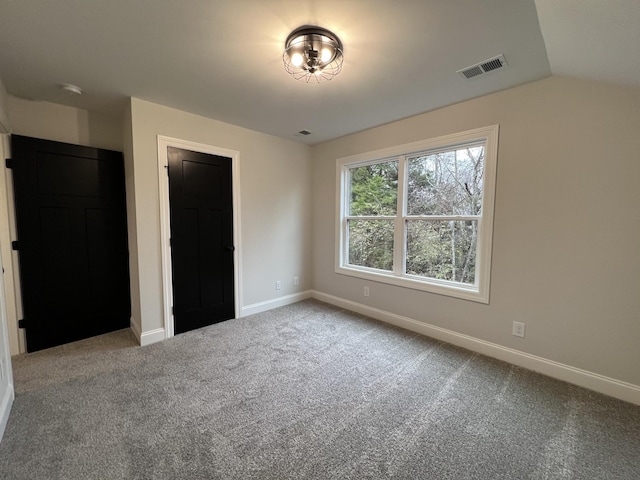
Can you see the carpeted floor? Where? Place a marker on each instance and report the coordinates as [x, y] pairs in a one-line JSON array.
[[304, 391]]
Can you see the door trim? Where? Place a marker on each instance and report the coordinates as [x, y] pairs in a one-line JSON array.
[[165, 224], [8, 232]]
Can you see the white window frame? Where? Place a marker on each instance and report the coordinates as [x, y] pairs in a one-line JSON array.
[[479, 291]]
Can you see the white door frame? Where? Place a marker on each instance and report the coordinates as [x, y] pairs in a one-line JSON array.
[[8, 232], [165, 223]]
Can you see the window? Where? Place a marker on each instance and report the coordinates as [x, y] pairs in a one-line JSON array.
[[421, 215]]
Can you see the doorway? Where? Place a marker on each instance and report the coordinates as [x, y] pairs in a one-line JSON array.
[[72, 241], [200, 234], [201, 213]]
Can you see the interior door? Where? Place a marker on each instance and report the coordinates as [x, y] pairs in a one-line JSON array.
[[202, 258], [72, 240]]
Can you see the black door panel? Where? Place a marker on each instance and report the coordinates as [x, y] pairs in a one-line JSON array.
[[71, 222], [201, 230]]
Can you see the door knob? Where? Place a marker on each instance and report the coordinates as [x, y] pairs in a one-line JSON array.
[[231, 248]]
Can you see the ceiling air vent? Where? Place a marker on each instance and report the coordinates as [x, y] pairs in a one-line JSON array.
[[494, 63]]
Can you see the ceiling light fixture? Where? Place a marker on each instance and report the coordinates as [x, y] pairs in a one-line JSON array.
[[312, 54]]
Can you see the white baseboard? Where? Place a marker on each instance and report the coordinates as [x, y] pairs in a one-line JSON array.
[[274, 303], [157, 335], [583, 378], [5, 408], [152, 336], [147, 338]]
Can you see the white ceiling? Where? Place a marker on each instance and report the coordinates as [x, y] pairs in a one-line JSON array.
[[222, 58], [594, 39]]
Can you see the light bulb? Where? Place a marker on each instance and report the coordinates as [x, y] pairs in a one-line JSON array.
[[326, 55], [296, 59]]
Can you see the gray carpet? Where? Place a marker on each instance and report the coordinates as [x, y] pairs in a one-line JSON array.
[[304, 391]]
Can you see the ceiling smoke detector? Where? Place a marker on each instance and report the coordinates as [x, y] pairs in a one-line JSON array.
[[483, 67], [71, 89]]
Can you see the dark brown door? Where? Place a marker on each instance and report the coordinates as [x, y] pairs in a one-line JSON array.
[[72, 240], [201, 238]]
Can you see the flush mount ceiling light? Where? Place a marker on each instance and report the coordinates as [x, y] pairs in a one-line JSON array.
[[312, 54]]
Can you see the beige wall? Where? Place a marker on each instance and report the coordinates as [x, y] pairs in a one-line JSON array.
[[275, 199], [134, 277], [5, 126], [567, 224], [64, 124]]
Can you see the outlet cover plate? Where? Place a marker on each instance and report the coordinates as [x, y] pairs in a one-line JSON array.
[[519, 329]]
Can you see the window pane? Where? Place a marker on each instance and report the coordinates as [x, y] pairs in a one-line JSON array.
[[446, 183], [371, 243], [374, 189], [445, 250]]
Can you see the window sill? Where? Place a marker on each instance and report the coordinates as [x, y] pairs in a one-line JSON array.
[[439, 287]]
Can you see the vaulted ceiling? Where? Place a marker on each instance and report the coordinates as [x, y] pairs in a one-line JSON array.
[[223, 58]]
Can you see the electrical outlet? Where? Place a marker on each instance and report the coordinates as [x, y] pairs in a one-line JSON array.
[[518, 329], [278, 285], [366, 291], [296, 281]]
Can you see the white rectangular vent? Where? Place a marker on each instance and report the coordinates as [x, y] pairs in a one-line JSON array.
[[494, 63]]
